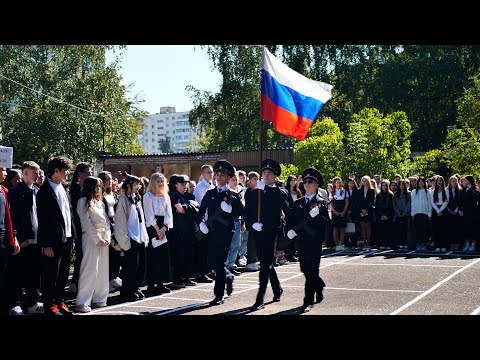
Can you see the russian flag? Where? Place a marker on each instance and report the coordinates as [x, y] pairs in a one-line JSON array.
[[290, 100]]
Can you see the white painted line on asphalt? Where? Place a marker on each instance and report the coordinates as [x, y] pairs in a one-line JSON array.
[[440, 283], [350, 289], [150, 307], [123, 304], [184, 308], [410, 252], [186, 299], [476, 311], [380, 290], [400, 264], [113, 313], [448, 253]]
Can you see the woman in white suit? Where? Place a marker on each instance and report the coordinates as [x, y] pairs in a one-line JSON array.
[[93, 284]]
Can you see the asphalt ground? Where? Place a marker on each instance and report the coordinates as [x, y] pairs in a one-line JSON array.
[[379, 282]]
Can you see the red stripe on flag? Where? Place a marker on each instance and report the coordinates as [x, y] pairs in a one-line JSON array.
[[284, 121]]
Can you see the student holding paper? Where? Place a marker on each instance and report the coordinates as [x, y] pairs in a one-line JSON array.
[[158, 219]]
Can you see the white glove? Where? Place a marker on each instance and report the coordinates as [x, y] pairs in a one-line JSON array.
[[204, 228], [225, 207], [257, 226], [260, 184], [314, 212], [291, 234]]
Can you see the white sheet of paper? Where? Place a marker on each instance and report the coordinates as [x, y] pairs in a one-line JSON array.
[[156, 242]]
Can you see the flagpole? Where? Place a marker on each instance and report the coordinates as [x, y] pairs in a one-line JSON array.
[[260, 167]]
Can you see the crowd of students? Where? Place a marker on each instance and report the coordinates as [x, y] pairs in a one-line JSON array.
[[154, 231]]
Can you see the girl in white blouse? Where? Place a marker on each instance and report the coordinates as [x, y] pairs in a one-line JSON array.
[[93, 280], [158, 219], [440, 198]]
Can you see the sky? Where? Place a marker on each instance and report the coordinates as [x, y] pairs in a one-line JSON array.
[[160, 74]]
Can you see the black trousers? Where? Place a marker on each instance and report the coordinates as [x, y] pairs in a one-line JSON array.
[[4, 257], [24, 271], [114, 263], [439, 229], [201, 256], [134, 266], [55, 271], [422, 228], [309, 265], [266, 242], [158, 259], [220, 240], [182, 255], [252, 252]]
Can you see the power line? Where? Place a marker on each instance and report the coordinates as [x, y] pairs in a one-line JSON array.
[[25, 107], [51, 97]]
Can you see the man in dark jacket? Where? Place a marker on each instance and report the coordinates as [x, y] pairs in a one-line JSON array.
[[56, 234], [223, 206], [307, 222], [27, 266], [264, 227]]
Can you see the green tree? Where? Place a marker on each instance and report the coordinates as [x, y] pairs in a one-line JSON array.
[[40, 126], [322, 149], [164, 144], [421, 80], [429, 164], [378, 144], [462, 145], [287, 170]]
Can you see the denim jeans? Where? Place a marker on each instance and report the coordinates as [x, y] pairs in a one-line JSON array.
[[242, 251], [234, 245]]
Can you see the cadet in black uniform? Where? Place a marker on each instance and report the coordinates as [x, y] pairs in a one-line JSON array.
[[274, 200], [223, 207], [308, 223]]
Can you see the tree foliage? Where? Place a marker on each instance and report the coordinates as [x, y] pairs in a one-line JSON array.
[[429, 164], [378, 144], [462, 146], [322, 149], [39, 126], [287, 170], [421, 80]]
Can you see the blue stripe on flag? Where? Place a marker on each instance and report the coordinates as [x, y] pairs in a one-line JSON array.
[[289, 99]]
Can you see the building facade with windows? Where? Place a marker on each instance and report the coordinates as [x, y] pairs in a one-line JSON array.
[[167, 132]]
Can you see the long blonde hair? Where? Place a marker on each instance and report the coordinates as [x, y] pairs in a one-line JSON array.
[[158, 188]]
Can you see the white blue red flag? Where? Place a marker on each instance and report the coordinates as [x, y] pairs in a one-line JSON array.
[[290, 100]]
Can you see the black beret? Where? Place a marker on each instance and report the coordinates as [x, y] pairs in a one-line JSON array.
[[270, 164], [312, 173], [225, 166]]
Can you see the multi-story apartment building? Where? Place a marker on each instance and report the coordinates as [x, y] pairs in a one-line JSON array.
[[167, 131]]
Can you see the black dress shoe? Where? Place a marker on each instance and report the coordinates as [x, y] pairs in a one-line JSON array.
[[140, 294], [162, 289], [305, 308], [130, 297], [319, 294], [217, 301], [234, 272], [204, 279], [257, 306], [189, 282], [229, 285], [276, 298]]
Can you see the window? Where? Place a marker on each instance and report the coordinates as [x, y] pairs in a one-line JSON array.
[[146, 140], [152, 126], [173, 117], [153, 132]]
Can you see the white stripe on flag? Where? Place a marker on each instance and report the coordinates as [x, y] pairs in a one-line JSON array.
[[294, 80]]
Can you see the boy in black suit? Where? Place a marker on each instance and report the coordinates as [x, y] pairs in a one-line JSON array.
[[56, 234]]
